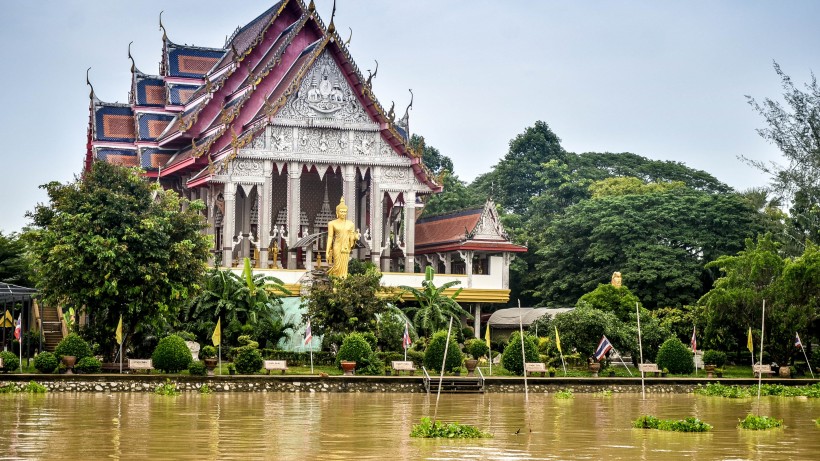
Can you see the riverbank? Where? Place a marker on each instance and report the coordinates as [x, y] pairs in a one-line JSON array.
[[109, 383]]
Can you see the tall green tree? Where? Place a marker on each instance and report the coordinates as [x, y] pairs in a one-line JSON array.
[[112, 243], [659, 241], [516, 175], [794, 127], [14, 266]]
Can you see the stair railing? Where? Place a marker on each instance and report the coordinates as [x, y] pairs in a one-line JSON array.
[[480, 378], [426, 379]]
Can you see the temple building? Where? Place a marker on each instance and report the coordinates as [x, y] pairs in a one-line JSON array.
[[271, 131]]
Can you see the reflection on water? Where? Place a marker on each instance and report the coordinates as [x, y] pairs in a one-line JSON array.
[[376, 426]]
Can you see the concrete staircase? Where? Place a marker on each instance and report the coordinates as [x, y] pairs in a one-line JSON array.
[[454, 385], [52, 329]]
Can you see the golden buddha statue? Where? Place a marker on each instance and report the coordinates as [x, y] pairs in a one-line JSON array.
[[341, 238]]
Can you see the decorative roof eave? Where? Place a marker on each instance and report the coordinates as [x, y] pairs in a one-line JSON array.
[[469, 245]]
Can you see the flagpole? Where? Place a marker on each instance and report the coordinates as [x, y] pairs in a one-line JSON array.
[[640, 349], [311, 356], [804, 355], [760, 375], [489, 347], [120, 358], [443, 363], [220, 355], [560, 350], [523, 353]]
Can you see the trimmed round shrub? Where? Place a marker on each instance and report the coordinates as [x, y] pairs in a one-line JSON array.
[[716, 358], [10, 362], [434, 355], [476, 348], [197, 368], [171, 355], [207, 352], [74, 345], [88, 365], [248, 361], [511, 358], [676, 357], [46, 362], [355, 348]]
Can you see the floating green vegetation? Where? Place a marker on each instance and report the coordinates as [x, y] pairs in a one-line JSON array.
[[31, 388], [604, 393], [817, 421], [690, 424], [740, 392], [759, 423], [167, 388], [34, 388], [205, 389], [429, 429], [564, 394]]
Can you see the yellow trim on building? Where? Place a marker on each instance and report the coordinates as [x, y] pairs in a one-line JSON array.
[[467, 295]]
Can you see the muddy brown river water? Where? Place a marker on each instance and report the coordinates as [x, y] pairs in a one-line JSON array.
[[341, 426]]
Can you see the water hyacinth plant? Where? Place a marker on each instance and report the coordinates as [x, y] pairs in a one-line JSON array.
[[564, 394], [739, 392], [759, 423], [690, 424], [437, 429], [167, 388]]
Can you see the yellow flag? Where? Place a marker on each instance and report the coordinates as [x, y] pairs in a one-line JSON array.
[[119, 331], [749, 344], [8, 320], [217, 336], [487, 336], [558, 341]]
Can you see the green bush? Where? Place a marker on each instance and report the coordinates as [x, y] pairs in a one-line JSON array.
[[716, 358], [371, 339], [437, 429], [74, 345], [511, 358], [207, 352], [88, 365], [186, 335], [46, 362], [10, 362], [477, 348], [676, 357], [355, 348], [197, 368], [171, 355], [434, 354], [248, 360]]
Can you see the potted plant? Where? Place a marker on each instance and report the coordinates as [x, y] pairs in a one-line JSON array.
[[594, 367], [231, 369], [664, 372], [719, 372], [71, 349], [476, 349], [551, 371], [208, 356], [355, 348], [711, 360]]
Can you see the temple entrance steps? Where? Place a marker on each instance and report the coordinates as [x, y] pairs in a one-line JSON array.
[[52, 328]]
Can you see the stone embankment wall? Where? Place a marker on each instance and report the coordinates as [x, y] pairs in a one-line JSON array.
[[381, 384]]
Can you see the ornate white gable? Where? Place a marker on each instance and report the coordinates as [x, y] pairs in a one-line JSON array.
[[489, 227], [325, 98]]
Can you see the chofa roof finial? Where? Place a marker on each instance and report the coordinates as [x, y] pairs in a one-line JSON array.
[[88, 82], [162, 28], [133, 64], [331, 27]]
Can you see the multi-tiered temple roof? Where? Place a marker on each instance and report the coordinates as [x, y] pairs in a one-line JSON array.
[[206, 103]]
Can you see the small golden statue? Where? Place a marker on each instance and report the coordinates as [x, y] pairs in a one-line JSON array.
[[616, 279], [275, 249], [341, 237]]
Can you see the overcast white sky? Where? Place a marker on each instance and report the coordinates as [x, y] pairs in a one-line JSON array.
[[664, 80]]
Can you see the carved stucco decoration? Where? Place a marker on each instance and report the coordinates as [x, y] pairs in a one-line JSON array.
[[324, 94], [397, 175], [489, 227], [247, 167]]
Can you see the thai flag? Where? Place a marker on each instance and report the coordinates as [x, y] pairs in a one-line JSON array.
[[308, 334], [18, 327], [405, 340], [694, 342], [797, 342], [604, 346]]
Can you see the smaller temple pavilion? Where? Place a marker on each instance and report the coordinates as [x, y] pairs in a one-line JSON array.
[[271, 130]]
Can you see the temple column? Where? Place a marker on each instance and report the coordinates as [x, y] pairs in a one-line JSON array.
[[409, 231], [477, 321], [349, 193], [506, 259], [294, 209], [468, 266], [447, 259], [229, 194], [265, 211], [376, 217]]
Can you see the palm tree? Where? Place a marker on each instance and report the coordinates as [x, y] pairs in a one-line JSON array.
[[434, 309]]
